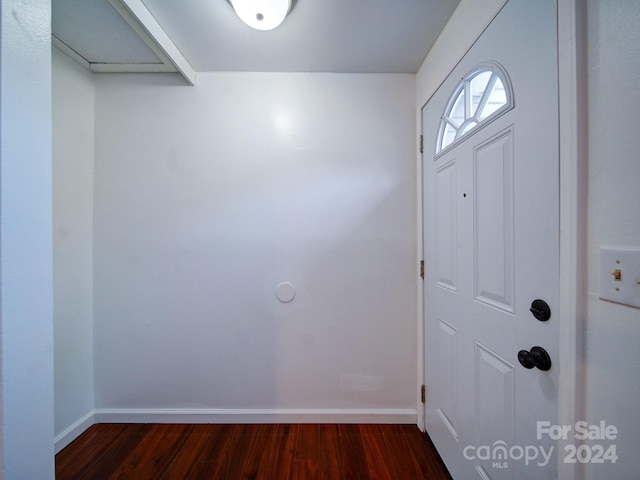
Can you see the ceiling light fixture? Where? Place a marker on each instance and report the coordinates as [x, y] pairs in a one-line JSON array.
[[262, 14]]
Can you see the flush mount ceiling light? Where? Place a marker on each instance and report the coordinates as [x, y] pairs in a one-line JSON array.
[[262, 14]]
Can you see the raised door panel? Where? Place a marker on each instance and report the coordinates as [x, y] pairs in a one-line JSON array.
[[446, 226], [494, 222], [494, 396], [448, 369]]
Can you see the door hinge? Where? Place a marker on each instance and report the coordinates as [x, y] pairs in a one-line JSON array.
[[423, 393], [421, 143], [422, 269]]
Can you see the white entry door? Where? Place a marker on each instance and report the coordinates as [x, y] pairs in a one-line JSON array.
[[491, 247]]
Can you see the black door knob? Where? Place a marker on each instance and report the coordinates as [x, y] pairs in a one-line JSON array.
[[537, 357], [540, 310]]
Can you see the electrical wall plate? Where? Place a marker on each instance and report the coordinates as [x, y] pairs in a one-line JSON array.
[[619, 279]]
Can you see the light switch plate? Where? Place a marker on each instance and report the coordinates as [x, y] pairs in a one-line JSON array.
[[620, 275]]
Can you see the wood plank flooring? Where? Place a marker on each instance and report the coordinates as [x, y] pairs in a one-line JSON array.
[[261, 451]]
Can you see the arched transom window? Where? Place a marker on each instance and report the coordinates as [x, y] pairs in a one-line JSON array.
[[482, 95]]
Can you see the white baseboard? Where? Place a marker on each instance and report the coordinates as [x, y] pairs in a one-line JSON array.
[[405, 416], [74, 431], [236, 415]]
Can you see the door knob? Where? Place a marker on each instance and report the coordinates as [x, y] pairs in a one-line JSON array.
[[537, 357], [540, 310]]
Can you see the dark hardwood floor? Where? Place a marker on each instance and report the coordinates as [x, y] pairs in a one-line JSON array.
[[274, 452]]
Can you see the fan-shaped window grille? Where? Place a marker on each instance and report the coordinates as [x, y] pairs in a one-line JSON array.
[[483, 95]]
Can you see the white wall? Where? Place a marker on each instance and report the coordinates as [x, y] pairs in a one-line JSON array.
[[613, 331], [25, 240], [73, 141], [207, 197], [467, 22]]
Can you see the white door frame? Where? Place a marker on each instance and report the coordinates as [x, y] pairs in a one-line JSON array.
[[572, 89]]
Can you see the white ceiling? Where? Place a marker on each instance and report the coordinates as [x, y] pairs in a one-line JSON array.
[[94, 30], [350, 36]]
